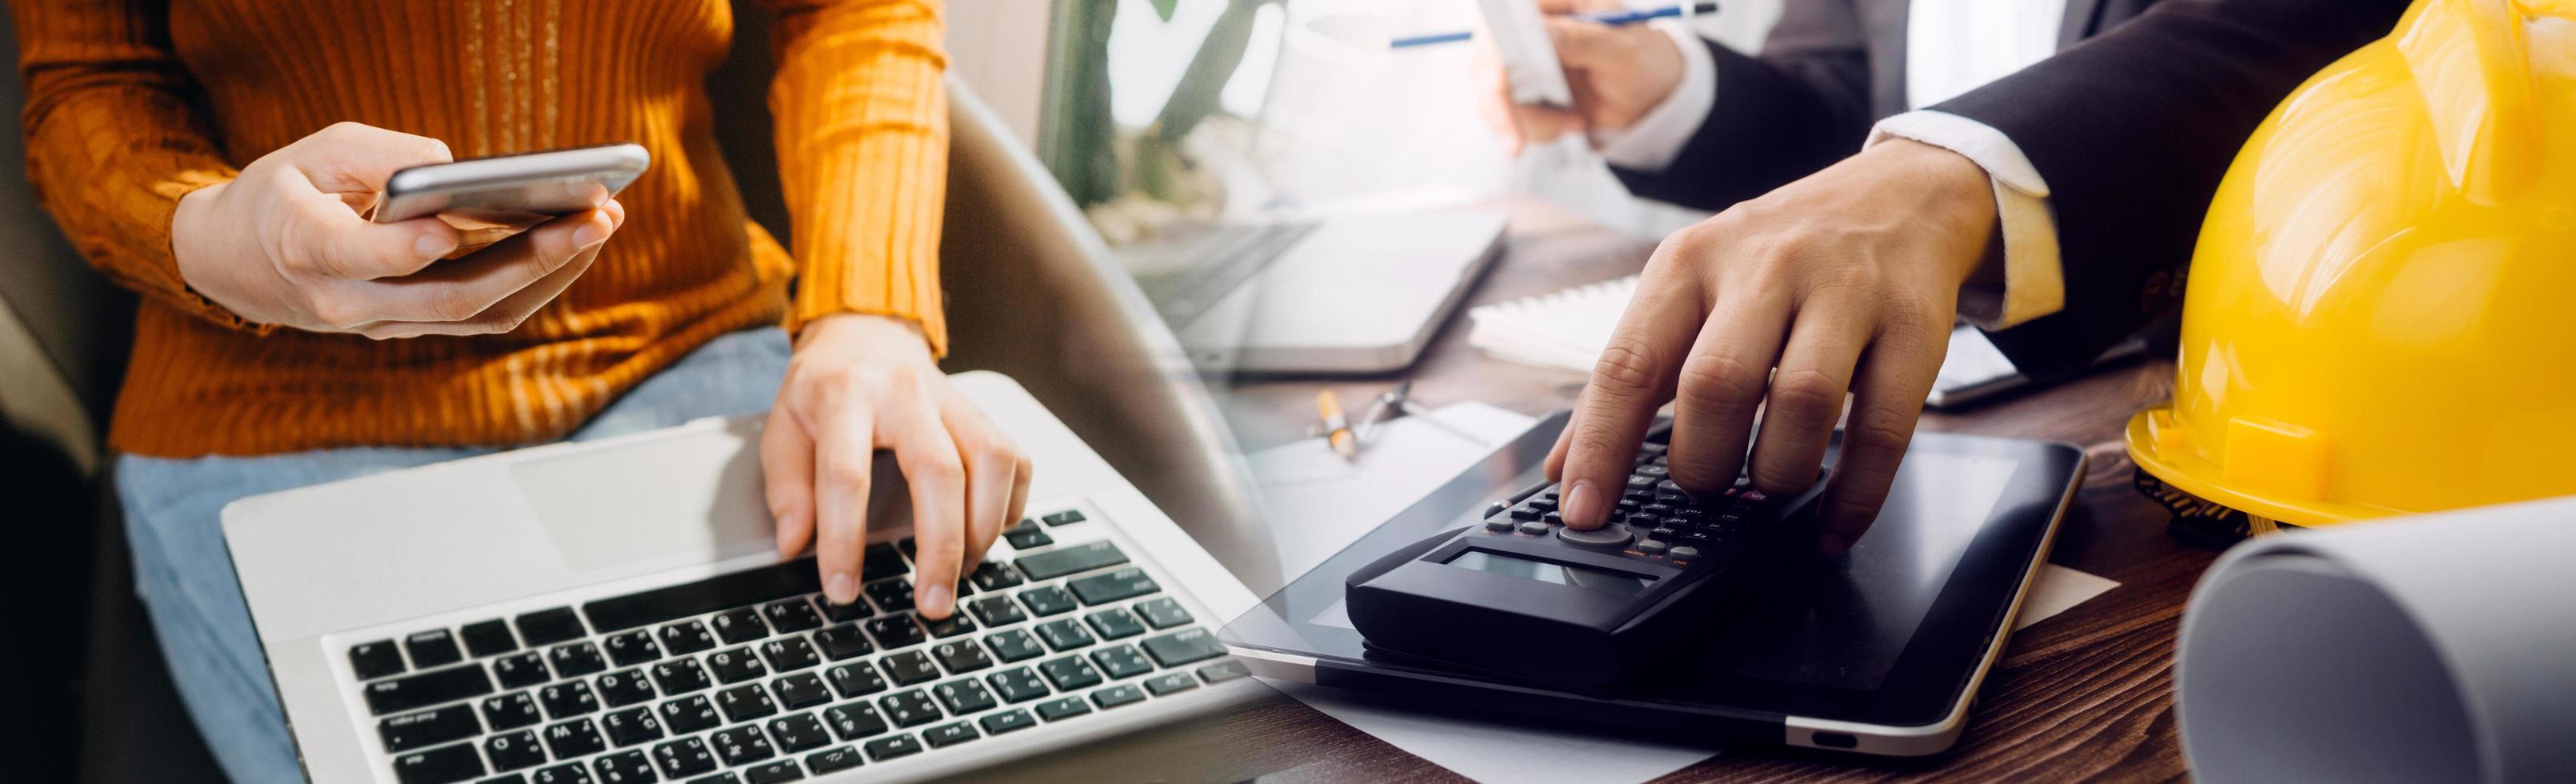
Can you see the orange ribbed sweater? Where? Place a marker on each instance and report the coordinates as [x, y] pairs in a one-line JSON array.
[[132, 104]]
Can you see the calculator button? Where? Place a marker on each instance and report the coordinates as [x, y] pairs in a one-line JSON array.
[[1534, 528], [1653, 546], [1611, 536], [1496, 525], [1685, 552]]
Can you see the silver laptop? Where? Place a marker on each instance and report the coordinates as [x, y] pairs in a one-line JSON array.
[[1354, 293], [614, 611]]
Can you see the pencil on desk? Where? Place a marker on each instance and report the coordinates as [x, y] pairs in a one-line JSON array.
[[1337, 427]]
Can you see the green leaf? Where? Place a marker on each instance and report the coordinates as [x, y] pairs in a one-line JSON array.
[[1164, 8]]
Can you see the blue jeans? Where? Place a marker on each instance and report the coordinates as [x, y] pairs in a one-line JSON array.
[[186, 578]]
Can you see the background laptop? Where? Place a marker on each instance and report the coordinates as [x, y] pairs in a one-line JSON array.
[[614, 611]]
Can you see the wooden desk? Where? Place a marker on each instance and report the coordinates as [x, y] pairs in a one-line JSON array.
[[2087, 694]]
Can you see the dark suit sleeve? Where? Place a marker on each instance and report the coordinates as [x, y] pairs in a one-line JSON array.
[[2133, 130], [1798, 108]]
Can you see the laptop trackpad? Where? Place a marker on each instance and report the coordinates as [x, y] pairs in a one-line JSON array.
[[697, 494]]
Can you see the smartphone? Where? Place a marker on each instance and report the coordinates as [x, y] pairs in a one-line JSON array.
[[489, 199]]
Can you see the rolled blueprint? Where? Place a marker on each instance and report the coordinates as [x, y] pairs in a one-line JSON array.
[[2433, 648]]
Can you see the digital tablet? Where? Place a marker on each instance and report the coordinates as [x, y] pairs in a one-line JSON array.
[[1877, 651]]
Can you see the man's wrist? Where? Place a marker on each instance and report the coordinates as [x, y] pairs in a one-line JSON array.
[[1957, 194]]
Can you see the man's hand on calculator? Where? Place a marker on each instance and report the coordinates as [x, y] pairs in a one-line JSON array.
[[1844, 280]]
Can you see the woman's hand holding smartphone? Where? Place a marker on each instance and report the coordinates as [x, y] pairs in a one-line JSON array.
[[285, 243]]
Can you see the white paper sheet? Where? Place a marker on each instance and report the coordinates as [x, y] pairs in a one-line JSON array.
[[1505, 754]]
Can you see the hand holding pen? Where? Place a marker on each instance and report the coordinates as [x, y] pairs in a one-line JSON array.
[[1618, 71]]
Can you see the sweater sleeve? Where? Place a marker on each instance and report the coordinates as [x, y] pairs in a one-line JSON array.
[[113, 140], [862, 137]]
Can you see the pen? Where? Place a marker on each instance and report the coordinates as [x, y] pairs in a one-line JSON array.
[[1336, 426], [1619, 18]]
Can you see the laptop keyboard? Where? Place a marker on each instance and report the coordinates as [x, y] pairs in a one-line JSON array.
[[752, 677]]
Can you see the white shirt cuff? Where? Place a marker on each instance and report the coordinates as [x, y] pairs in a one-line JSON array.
[[1651, 143], [2034, 282]]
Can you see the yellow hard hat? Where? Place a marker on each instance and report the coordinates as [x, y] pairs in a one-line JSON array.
[[2381, 313]]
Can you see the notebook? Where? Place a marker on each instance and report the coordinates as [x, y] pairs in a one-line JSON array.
[[1567, 329]]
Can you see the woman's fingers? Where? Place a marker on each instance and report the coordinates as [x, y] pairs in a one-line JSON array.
[[844, 465], [1806, 395], [992, 467], [912, 427], [787, 479], [461, 289]]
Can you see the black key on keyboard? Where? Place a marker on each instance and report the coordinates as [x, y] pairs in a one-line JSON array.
[[623, 767], [893, 593], [1075, 558], [777, 772], [742, 745], [854, 679], [1066, 517], [950, 626], [1183, 647], [631, 726], [679, 676], [735, 665], [566, 699], [514, 750], [429, 728], [740, 625], [745, 702], [624, 687], [790, 616], [489, 638], [567, 773], [510, 711], [632, 647], [964, 696], [377, 659], [684, 716], [1223, 671], [961, 656], [1006, 721], [1125, 583], [843, 642], [1169, 682], [423, 689], [894, 631], [573, 739], [721, 592], [1163, 613], [1064, 634], [789, 654], [1070, 672], [1121, 662], [1018, 684], [881, 561], [845, 613], [547, 627], [1027, 535], [883, 749], [687, 637], [439, 766], [908, 708], [909, 667], [801, 690], [1115, 623], [993, 576], [433, 648], [1114, 696], [1062, 708], [576, 660], [798, 732], [1048, 600], [832, 759], [683, 757], [1013, 645], [950, 734], [996, 610], [854, 720]]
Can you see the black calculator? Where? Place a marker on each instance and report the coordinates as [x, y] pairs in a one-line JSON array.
[[1521, 594]]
